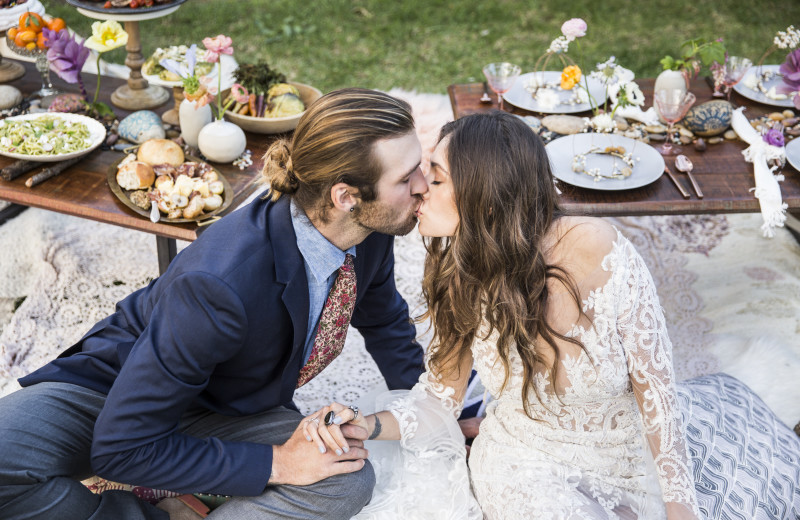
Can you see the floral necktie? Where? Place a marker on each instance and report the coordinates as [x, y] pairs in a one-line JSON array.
[[333, 323]]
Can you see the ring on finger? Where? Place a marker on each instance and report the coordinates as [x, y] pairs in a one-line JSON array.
[[329, 417], [355, 411]]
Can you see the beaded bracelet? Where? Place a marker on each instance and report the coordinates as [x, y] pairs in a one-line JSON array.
[[618, 152]]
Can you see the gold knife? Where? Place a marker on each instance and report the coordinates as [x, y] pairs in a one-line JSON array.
[[677, 184]]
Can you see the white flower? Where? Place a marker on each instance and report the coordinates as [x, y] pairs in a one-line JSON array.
[[788, 39], [582, 95], [609, 72], [625, 94], [573, 28], [751, 81], [603, 123], [547, 98], [559, 45]]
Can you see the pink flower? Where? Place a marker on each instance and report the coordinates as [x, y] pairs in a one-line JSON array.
[[216, 46], [204, 100], [239, 93], [574, 28]]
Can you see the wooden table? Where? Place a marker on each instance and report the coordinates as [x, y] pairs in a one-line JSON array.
[[723, 175], [83, 191]]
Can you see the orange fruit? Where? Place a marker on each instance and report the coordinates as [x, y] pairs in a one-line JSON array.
[[30, 46], [31, 21], [12, 33], [25, 37], [56, 24], [40, 41]]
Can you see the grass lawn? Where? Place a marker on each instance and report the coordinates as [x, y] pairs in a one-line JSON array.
[[427, 45]]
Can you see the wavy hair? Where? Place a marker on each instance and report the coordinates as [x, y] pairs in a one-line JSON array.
[[494, 268], [333, 143]]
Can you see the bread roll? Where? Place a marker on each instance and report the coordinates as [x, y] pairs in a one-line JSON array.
[[135, 175], [160, 151], [211, 203]]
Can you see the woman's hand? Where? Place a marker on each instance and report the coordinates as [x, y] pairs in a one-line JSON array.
[[331, 436]]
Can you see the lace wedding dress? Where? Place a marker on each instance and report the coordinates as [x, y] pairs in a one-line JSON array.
[[608, 443]]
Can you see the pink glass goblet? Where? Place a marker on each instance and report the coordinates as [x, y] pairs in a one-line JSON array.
[[735, 69], [501, 77], [672, 104]]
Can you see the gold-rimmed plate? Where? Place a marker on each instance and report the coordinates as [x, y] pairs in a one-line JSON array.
[[124, 195]]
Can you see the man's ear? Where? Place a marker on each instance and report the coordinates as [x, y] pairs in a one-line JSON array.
[[344, 197]]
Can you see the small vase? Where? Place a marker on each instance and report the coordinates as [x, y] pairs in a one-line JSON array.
[[221, 141], [192, 120], [670, 79]]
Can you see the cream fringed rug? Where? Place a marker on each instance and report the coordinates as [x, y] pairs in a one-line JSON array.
[[731, 297]]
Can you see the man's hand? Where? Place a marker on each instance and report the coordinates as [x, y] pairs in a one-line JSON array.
[[300, 463], [470, 427]]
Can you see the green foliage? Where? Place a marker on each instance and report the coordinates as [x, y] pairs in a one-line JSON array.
[[426, 45], [695, 53], [257, 78]]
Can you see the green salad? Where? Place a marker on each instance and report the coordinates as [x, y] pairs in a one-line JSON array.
[[46, 135], [152, 65]]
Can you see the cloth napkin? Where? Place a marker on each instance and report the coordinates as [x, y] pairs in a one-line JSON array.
[[767, 191]]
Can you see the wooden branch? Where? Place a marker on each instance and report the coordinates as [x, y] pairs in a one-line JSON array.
[[17, 168], [52, 171]]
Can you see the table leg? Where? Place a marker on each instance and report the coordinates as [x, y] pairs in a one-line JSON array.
[[11, 211], [167, 249]]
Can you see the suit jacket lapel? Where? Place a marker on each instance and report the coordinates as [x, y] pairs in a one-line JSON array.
[[290, 270]]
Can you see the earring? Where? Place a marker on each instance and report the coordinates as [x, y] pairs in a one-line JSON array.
[[352, 209]]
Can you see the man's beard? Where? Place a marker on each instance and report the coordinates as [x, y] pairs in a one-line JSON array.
[[376, 216]]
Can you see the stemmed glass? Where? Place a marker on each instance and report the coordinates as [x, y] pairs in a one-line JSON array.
[[501, 77], [672, 104], [43, 66], [735, 68]]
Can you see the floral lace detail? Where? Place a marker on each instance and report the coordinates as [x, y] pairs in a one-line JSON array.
[[608, 441]]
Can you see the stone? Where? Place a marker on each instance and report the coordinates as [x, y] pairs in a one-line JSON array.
[[700, 145], [71, 103], [709, 119], [685, 140], [776, 116], [684, 132], [141, 126], [787, 113], [622, 123], [9, 96], [790, 121], [655, 129], [658, 137], [715, 140], [533, 122], [564, 125], [172, 133], [794, 132], [730, 134]]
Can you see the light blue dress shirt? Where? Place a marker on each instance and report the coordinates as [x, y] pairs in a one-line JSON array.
[[322, 261]]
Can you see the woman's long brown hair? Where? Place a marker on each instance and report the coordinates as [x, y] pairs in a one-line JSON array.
[[494, 268]]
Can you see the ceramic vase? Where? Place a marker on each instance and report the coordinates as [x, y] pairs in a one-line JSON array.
[[671, 79], [192, 120], [221, 141]]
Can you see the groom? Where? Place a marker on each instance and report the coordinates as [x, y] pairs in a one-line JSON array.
[[188, 386]]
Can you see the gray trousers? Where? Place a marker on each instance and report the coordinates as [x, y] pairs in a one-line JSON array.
[[46, 436]]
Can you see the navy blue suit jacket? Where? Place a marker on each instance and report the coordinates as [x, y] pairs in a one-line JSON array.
[[223, 329]]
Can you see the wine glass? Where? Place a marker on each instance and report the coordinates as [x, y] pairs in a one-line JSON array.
[[501, 77], [43, 66], [735, 69], [672, 104]]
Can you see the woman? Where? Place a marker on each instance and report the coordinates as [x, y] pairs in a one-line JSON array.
[[560, 317]]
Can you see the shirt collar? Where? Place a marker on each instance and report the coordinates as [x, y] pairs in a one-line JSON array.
[[322, 258]]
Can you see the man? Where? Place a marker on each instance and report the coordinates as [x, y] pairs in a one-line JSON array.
[[188, 386]]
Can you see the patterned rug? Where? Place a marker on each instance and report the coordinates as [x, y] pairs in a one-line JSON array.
[[731, 297]]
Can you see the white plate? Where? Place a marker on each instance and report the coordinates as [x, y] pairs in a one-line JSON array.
[[97, 133], [755, 95], [229, 66], [793, 153], [519, 96], [648, 165]]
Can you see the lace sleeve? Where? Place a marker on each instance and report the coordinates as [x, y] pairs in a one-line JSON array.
[[649, 357], [426, 475]]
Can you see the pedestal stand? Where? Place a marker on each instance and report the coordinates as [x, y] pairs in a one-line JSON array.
[[138, 94], [9, 70]]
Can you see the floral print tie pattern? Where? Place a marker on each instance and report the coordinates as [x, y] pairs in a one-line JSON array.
[[333, 323]]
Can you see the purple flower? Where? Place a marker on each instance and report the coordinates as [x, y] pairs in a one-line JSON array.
[[791, 73], [774, 137], [65, 54]]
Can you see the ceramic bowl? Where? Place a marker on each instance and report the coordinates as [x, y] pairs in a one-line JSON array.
[[275, 125]]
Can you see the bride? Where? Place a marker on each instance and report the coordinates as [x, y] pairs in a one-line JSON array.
[[559, 315]]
